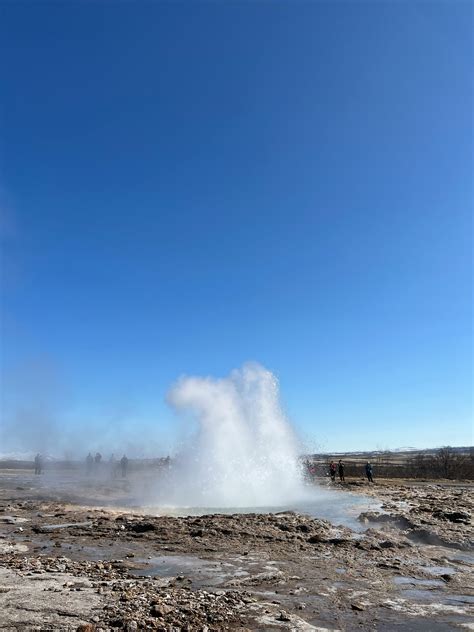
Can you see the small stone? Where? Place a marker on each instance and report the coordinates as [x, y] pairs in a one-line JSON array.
[[160, 610], [283, 616]]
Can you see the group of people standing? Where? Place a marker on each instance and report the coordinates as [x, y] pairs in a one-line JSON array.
[[339, 469], [93, 465]]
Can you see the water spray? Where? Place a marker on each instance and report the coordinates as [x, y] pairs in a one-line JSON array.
[[244, 452]]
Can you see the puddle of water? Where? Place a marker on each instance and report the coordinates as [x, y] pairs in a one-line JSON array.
[[64, 525], [459, 556], [412, 581], [457, 599], [345, 510], [417, 594], [447, 554], [428, 592], [173, 564], [439, 570], [12, 520], [7, 547], [202, 572]]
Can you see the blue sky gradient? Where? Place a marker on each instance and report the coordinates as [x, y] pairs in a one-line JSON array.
[[188, 186]]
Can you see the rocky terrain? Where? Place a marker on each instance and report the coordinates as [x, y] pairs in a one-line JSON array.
[[408, 566]]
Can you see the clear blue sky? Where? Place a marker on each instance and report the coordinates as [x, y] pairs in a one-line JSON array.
[[187, 186]]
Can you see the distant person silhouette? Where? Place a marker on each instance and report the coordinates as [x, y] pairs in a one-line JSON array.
[[368, 472], [340, 468], [97, 460], [38, 464], [124, 466], [332, 471], [89, 463]]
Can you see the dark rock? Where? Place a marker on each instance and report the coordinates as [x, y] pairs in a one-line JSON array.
[[197, 533], [283, 616], [453, 516], [315, 539], [338, 541], [160, 610], [284, 527], [141, 527]]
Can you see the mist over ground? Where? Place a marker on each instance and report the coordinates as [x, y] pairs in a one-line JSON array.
[[239, 448]]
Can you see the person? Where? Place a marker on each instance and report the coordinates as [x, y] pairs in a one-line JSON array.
[[368, 471], [89, 463], [332, 471], [341, 471], [124, 466], [38, 464]]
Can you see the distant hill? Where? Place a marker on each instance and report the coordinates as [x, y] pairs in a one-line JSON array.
[[396, 451]]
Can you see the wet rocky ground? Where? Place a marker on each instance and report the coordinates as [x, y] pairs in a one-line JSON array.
[[66, 566]]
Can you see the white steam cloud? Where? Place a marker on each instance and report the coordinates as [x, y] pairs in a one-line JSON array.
[[244, 453]]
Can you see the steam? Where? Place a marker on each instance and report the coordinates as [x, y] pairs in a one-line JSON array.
[[241, 451], [244, 452]]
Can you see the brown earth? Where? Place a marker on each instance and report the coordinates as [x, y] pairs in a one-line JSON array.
[[65, 566]]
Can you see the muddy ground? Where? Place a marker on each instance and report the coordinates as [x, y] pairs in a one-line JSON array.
[[66, 566]]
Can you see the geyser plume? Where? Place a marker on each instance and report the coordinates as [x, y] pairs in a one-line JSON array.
[[244, 453]]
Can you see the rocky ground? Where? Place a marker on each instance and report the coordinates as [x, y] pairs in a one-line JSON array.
[[65, 566]]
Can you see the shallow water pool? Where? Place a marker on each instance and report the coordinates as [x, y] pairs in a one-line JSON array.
[[338, 508]]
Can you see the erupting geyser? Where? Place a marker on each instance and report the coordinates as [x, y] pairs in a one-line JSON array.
[[244, 452]]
